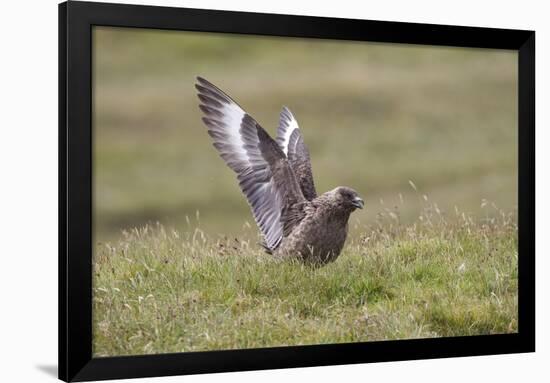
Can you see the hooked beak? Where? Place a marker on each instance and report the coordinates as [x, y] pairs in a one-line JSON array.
[[358, 202]]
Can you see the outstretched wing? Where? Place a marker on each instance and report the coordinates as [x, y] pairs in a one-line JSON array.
[[292, 143], [263, 171]]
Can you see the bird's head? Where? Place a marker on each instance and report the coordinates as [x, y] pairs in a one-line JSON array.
[[348, 198]]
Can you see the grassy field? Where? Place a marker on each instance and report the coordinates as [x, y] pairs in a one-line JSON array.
[[395, 122], [160, 291]]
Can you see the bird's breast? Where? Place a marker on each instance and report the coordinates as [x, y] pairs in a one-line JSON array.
[[320, 237]]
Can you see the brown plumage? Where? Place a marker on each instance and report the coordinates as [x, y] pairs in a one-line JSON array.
[[276, 178]]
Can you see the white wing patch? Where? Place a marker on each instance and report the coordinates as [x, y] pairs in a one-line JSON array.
[[228, 139], [287, 125], [233, 116]]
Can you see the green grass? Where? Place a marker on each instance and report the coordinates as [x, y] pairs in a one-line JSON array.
[[158, 291]]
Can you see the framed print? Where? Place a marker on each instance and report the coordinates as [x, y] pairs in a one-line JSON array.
[[246, 191]]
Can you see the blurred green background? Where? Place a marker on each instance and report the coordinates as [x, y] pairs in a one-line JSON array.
[[373, 115]]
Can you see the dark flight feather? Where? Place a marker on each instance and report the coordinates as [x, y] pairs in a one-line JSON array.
[[291, 142]]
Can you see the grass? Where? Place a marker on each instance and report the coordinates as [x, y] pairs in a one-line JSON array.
[[157, 290]]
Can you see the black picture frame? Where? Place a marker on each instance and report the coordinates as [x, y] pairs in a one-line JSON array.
[[76, 20]]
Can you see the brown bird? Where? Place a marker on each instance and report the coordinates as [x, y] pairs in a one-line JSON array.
[[276, 178]]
